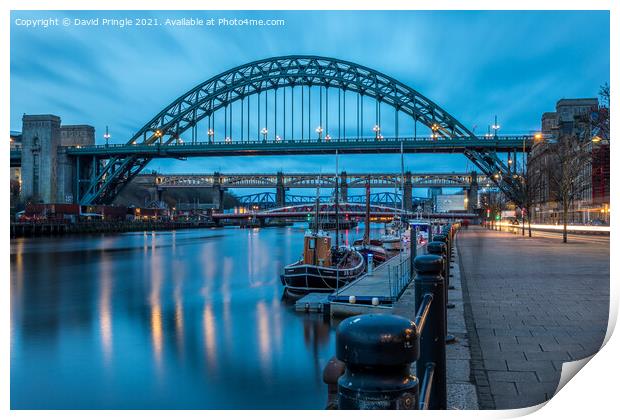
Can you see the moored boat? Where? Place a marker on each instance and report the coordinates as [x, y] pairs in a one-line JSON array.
[[323, 268]]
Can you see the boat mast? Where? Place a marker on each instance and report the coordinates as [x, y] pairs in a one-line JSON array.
[[402, 178], [337, 202], [367, 219], [316, 207]]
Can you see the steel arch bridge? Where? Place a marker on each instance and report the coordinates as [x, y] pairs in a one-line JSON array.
[[267, 200], [113, 169]]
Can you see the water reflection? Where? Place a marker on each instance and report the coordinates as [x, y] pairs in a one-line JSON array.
[[186, 319], [105, 311]]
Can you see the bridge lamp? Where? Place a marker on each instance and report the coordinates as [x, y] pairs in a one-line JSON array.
[[264, 132], [377, 131], [106, 136], [328, 137], [319, 131], [278, 139], [228, 140]]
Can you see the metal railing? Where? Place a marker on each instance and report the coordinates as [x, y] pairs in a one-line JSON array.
[[375, 353], [345, 140]]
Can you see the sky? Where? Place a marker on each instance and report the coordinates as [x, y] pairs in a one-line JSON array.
[[474, 64]]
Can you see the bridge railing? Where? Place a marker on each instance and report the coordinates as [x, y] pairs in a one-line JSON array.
[[188, 144]]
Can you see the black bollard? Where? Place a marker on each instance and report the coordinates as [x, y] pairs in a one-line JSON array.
[[413, 250], [378, 351], [444, 239], [428, 280], [332, 371], [439, 248]]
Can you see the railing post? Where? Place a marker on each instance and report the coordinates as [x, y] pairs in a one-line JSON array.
[[444, 239], [413, 249], [378, 351], [433, 336]]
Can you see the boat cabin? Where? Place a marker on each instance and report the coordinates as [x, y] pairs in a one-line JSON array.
[[318, 249]]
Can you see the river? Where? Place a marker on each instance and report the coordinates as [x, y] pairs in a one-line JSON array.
[[188, 319]]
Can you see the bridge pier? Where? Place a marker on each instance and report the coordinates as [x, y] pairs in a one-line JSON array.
[[344, 187], [433, 192], [408, 192], [217, 192], [472, 193], [280, 190]]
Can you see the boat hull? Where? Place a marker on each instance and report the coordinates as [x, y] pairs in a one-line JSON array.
[[300, 279]]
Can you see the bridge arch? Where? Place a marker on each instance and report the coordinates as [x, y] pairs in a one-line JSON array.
[[271, 74], [294, 70]]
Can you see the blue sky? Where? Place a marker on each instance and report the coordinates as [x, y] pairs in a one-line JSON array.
[[473, 64]]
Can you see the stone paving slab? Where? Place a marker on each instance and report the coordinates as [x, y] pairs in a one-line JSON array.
[[530, 305]]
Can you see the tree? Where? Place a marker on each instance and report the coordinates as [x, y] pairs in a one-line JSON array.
[[571, 158], [532, 180]]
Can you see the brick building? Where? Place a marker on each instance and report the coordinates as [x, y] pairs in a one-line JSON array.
[[572, 118]]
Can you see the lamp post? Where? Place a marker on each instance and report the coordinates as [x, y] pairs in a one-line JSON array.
[[495, 127], [106, 136], [319, 131], [377, 131], [264, 132], [210, 133]]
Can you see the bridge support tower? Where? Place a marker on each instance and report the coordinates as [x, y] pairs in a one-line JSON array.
[[344, 187], [472, 193], [408, 192], [217, 192], [280, 190]]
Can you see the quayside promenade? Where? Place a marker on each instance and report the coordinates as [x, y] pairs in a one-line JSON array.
[[531, 304]]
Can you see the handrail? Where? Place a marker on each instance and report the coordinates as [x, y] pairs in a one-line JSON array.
[[427, 385], [422, 315]]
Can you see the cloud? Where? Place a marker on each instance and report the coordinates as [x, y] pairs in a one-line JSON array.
[[475, 64]]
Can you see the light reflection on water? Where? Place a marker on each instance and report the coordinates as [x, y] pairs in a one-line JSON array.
[[186, 319]]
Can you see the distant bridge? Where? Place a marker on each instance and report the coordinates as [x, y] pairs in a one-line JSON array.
[[314, 180], [283, 182], [352, 210], [266, 200]]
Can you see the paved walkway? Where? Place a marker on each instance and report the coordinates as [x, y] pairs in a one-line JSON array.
[[530, 305]]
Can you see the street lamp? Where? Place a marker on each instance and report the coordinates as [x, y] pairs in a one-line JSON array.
[[106, 136], [319, 131], [278, 139], [328, 137], [377, 131], [264, 132], [210, 133], [495, 127], [435, 129]]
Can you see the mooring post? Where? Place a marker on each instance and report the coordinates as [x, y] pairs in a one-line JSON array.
[[378, 351], [413, 250], [333, 370], [444, 240], [429, 282]]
